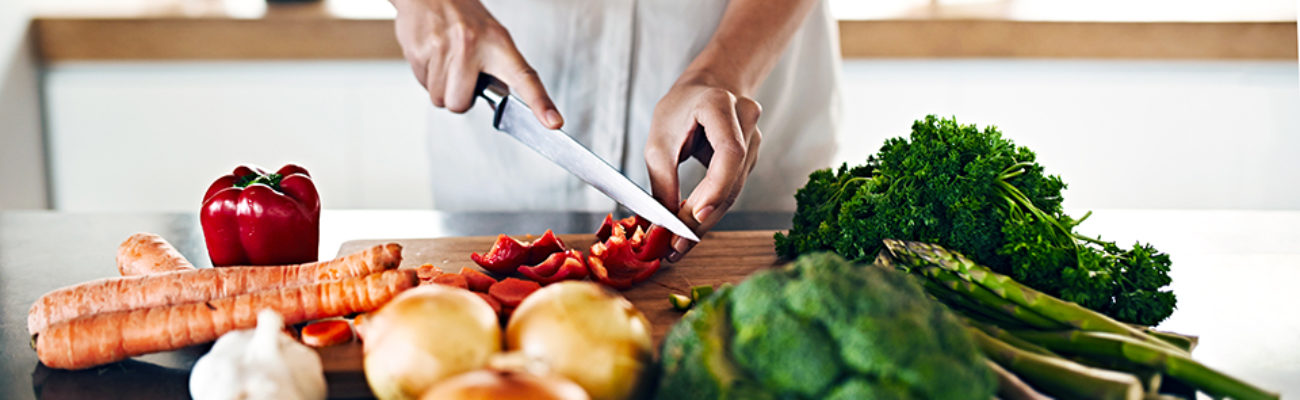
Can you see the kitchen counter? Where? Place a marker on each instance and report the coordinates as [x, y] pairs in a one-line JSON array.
[[80, 30], [1234, 273]]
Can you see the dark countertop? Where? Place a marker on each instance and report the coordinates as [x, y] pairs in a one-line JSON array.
[[42, 251], [1234, 273]]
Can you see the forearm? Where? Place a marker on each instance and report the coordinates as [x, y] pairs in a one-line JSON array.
[[748, 42]]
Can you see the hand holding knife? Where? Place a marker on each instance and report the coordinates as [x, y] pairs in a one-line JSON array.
[[514, 118]]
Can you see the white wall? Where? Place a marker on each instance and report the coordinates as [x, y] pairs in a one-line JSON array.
[[22, 161], [1123, 134], [152, 136]]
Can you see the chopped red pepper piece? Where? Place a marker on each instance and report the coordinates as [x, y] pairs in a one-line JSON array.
[[506, 255], [544, 246], [628, 224], [559, 266], [614, 263], [478, 281], [655, 245]]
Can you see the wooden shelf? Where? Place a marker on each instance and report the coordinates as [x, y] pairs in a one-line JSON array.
[[363, 29]]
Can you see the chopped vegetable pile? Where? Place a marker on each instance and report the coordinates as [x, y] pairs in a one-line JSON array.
[[977, 193], [821, 328]]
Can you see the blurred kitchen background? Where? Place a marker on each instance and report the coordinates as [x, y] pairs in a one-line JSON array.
[[136, 105]]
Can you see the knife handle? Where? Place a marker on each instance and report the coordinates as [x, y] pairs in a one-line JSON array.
[[494, 92], [491, 89]]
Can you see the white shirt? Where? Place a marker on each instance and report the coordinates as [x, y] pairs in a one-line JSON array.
[[606, 63]]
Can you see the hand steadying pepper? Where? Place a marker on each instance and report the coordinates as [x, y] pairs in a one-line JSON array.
[[251, 217]]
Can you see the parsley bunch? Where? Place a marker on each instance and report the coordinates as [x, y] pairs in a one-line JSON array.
[[974, 192]]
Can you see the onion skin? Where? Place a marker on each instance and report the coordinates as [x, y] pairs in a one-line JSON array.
[[425, 335], [487, 384], [588, 334]]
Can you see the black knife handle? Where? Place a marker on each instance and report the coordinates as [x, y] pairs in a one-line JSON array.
[[494, 92]]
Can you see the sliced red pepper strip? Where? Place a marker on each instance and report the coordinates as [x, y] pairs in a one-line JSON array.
[[559, 266], [510, 291], [544, 246], [506, 255], [478, 281]]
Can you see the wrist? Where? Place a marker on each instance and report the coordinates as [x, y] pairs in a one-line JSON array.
[[716, 76]]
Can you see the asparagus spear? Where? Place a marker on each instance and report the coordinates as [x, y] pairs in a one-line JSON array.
[[1057, 376], [1010, 387], [924, 254], [950, 286], [1008, 338], [1175, 364]]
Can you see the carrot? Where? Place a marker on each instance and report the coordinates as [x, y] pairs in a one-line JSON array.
[[453, 280], [510, 292], [178, 287], [427, 272], [496, 305], [359, 324], [114, 336], [147, 253], [478, 281], [326, 333]]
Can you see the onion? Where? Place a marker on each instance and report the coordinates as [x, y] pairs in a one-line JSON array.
[[488, 384], [588, 334], [425, 335]]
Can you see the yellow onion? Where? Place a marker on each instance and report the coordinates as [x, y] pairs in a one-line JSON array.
[[488, 384], [586, 333], [425, 335]]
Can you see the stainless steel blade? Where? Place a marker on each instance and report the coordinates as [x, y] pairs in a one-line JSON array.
[[515, 119]]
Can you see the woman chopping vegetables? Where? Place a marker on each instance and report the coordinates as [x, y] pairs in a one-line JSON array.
[[644, 84]]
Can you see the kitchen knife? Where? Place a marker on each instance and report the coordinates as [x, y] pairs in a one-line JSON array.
[[512, 116]]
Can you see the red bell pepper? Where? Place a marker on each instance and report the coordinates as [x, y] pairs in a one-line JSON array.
[[251, 217], [559, 266], [506, 255]]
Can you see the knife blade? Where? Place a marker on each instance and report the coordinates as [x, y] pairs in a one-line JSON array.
[[514, 118]]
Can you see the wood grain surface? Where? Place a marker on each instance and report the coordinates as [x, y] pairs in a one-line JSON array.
[[322, 37], [721, 257]]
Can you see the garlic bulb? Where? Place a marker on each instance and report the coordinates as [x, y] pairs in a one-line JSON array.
[[260, 363]]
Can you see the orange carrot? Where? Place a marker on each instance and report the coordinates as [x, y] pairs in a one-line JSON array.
[[114, 336], [453, 280], [478, 281], [510, 292], [326, 333], [147, 253], [496, 305], [179, 287], [427, 272]]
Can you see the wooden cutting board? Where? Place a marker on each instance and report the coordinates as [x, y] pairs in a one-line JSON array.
[[721, 257]]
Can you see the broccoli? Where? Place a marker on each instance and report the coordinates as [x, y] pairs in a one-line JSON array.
[[977, 193], [822, 327]]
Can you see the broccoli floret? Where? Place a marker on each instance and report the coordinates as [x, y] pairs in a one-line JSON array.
[[822, 327]]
